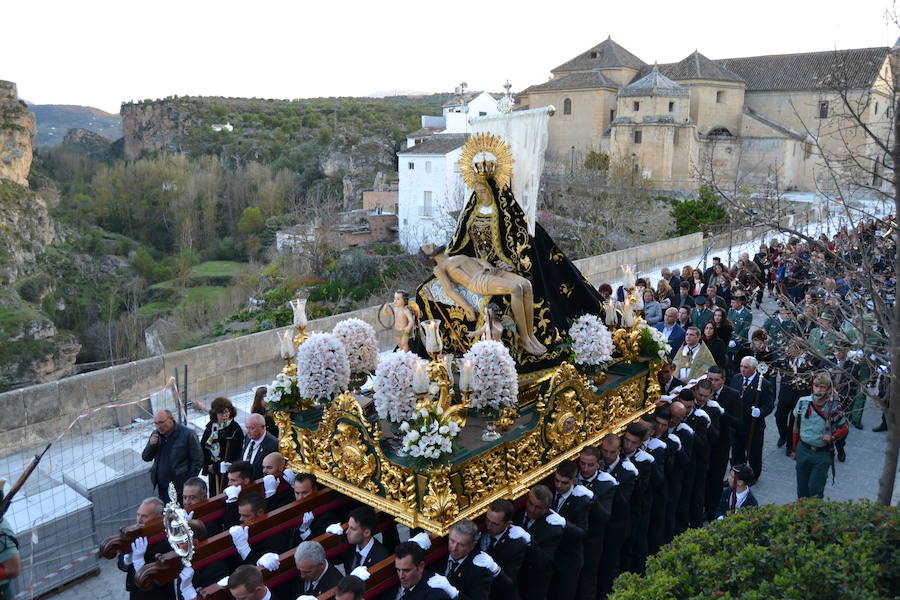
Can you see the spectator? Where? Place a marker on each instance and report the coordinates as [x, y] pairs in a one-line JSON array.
[[260, 407], [222, 441], [175, 453]]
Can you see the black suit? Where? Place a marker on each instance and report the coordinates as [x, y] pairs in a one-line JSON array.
[[659, 490], [508, 553], [604, 487], [674, 474], [276, 543], [729, 401], [377, 553], [570, 555], [421, 591], [472, 581], [666, 389], [765, 399], [537, 569], [284, 495], [328, 580], [267, 445], [157, 592], [316, 528], [634, 551], [617, 528], [700, 423], [682, 511]]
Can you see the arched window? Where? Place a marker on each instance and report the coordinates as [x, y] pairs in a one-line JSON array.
[[567, 106]]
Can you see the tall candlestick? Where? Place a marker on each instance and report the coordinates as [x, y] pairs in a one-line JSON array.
[[299, 307]]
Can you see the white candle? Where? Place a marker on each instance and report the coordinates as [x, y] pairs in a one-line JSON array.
[[628, 279], [299, 307], [287, 345], [465, 376], [448, 364], [420, 380], [611, 312], [432, 329]]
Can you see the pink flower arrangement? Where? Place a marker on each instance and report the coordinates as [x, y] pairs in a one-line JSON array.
[[394, 396], [323, 370], [495, 383], [358, 338]]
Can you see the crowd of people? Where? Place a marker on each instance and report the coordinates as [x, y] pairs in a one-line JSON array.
[[688, 462]]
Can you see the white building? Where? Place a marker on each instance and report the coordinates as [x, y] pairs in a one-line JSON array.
[[431, 188]]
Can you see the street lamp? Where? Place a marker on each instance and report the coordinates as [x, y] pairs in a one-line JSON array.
[[633, 167]]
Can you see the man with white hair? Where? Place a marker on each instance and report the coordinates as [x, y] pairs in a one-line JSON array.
[[757, 401], [143, 553], [317, 574], [258, 443]]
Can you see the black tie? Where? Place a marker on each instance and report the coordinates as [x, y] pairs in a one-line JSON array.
[[250, 450], [357, 560], [451, 567], [556, 500], [491, 544], [403, 592]]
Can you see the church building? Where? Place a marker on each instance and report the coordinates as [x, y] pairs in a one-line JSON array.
[[744, 121]]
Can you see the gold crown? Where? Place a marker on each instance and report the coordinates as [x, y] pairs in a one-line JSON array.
[[498, 168]]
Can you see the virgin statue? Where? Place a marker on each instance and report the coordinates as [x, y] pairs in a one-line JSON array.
[[492, 228]]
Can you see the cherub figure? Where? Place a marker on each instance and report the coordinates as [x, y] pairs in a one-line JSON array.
[[404, 318]]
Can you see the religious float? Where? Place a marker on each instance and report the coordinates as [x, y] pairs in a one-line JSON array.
[[509, 365]]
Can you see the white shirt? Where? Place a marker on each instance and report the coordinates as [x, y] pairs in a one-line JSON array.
[[365, 551], [256, 444], [311, 585], [740, 497], [667, 331], [562, 499]]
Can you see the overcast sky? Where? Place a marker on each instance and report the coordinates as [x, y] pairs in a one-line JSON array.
[[100, 53]]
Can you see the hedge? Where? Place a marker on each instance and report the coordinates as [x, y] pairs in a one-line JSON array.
[[809, 549]]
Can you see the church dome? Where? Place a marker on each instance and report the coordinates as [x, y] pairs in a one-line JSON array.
[[655, 84]]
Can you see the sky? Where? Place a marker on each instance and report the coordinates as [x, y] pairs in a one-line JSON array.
[[101, 53]]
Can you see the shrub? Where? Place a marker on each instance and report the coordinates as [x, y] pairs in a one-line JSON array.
[[33, 288], [355, 268], [808, 549], [697, 214], [596, 161]]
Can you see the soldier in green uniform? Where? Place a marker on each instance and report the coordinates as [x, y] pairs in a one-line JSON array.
[[822, 338], [702, 311], [741, 317], [818, 423], [781, 328]]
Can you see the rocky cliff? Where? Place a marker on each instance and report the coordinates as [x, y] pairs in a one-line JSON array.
[[153, 126], [17, 132]]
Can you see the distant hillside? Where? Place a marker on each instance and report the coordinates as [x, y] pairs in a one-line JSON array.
[[54, 120]]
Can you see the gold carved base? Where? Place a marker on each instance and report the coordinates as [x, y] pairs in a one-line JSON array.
[[345, 451]]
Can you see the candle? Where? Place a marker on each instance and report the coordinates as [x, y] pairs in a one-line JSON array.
[[448, 364], [627, 312], [287, 345], [420, 380], [432, 330], [611, 312], [299, 307], [639, 299], [628, 279], [465, 376]]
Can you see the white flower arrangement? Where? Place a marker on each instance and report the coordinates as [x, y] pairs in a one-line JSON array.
[[592, 342], [429, 436], [282, 393], [323, 370], [653, 342], [495, 383], [358, 338], [394, 396]]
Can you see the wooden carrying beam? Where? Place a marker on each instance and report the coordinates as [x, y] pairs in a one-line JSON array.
[[213, 508], [220, 546]]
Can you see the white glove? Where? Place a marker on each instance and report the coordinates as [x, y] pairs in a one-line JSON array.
[[269, 561], [361, 573], [289, 476], [732, 344], [240, 538], [483, 559], [222, 582], [439, 582], [754, 412], [666, 398], [232, 492], [223, 467], [579, 491], [138, 548], [270, 484], [306, 597], [189, 515], [517, 533], [556, 519], [335, 529], [186, 584], [422, 539], [307, 519]]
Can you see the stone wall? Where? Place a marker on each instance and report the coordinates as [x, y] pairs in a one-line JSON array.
[[36, 414]]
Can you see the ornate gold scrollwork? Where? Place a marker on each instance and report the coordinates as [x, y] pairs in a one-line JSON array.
[[628, 343], [440, 503], [565, 425], [352, 461]]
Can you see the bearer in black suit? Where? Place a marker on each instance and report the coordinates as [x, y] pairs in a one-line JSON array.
[[634, 551], [277, 481], [252, 507], [603, 485], [659, 486], [317, 575], [728, 401], [415, 581], [757, 401], [506, 544], [466, 568], [257, 444], [699, 422], [311, 526], [683, 432], [572, 502], [366, 551], [619, 524], [240, 476], [546, 530]]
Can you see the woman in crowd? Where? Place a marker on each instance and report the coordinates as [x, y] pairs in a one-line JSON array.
[[722, 283], [698, 285], [715, 345], [259, 407], [222, 442], [652, 308], [724, 327], [666, 295]]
